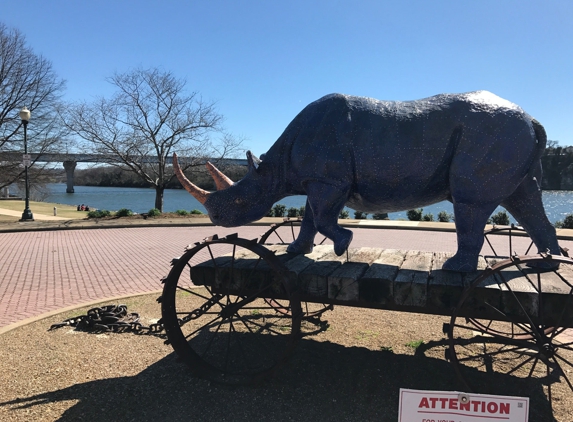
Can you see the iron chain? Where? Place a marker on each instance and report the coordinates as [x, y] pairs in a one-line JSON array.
[[113, 318]]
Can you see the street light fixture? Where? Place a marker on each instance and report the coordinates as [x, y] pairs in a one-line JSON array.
[[25, 116]]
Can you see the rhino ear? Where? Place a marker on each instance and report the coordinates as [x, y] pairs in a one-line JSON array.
[[253, 161]]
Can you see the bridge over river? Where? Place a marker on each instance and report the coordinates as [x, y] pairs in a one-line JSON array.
[[70, 161]]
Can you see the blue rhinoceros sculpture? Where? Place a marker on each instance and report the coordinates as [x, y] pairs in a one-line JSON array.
[[474, 149]]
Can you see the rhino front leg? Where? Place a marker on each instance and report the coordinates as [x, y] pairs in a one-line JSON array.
[[470, 224], [304, 242], [326, 201]]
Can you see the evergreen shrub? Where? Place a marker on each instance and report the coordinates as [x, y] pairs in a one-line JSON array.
[[123, 212], [428, 217], [99, 213], [444, 217], [500, 219], [415, 215], [292, 212], [153, 212], [567, 222], [380, 216], [279, 210]]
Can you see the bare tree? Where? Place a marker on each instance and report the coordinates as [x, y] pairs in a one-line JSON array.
[[149, 117], [26, 79]]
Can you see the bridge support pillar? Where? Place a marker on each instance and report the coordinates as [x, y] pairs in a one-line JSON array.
[[70, 166]]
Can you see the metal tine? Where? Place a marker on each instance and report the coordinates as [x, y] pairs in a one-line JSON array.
[[210, 238]]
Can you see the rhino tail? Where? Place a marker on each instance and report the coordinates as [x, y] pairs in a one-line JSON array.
[[541, 137]]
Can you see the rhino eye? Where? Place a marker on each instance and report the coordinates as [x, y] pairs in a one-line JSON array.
[[240, 201]]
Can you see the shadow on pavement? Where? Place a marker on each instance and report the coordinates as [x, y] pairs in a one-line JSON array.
[[323, 382]]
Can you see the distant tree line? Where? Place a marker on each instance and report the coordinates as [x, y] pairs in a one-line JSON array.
[[557, 165], [120, 177]]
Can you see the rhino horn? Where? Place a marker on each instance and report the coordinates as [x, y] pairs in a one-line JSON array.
[[253, 161], [200, 195], [221, 180]]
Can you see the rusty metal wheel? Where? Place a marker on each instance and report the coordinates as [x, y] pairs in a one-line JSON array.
[[215, 312], [309, 309], [502, 243], [535, 304], [285, 233]]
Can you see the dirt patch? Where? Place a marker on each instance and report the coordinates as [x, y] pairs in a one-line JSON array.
[[351, 371]]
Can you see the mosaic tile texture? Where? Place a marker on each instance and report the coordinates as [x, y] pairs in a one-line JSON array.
[[474, 149]]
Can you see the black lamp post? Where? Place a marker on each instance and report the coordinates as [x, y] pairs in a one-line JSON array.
[[25, 116]]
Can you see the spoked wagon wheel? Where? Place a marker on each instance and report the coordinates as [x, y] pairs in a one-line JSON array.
[[500, 243], [216, 316], [517, 295], [311, 312], [285, 233]]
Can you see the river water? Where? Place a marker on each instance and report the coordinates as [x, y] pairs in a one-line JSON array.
[[557, 203]]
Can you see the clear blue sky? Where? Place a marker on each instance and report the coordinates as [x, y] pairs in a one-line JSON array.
[[263, 61]]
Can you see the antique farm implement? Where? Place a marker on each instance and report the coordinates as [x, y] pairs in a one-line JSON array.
[[234, 308]]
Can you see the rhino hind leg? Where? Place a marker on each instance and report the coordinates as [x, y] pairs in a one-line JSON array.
[[470, 223], [326, 201], [526, 206], [304, 242]]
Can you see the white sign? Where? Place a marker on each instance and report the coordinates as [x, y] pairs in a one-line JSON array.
[[453, 406], [27, 159]]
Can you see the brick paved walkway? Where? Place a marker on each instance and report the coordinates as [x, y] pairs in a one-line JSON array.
[[48, 270]]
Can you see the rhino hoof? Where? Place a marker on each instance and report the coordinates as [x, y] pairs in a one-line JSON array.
[[342, 245], [460, 264], [299, 249]]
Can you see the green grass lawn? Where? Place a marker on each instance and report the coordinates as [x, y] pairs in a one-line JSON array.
[[46, 208]]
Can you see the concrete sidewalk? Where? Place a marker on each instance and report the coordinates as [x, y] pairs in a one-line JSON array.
[[202, 221]]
